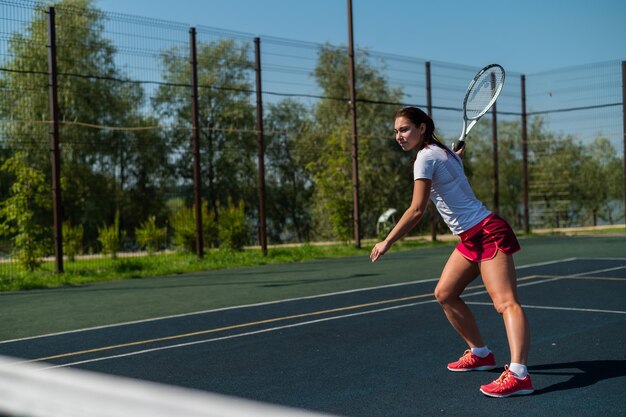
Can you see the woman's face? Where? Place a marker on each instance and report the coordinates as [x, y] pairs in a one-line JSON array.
[[408, 135]]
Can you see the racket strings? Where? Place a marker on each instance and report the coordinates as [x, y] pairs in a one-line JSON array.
[[483, 93]]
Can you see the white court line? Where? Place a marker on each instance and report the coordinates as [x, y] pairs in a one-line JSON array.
[[128, 323], [594, 272], [585, 310], [527, 284], [601, 259], [217, 339], [304, 323]]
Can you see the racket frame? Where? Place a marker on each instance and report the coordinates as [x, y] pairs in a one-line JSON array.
[[468, 126]]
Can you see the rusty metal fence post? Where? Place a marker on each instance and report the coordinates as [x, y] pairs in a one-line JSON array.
[[494, 142], [525, 156], [355, 153], [261, 146], [54, 140], [624, 129], [429, 110], [195, 133]]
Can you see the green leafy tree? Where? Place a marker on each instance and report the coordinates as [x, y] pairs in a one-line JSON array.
[[478, 162], [555, 161], [333, 202], [600, 183], [382, 167], [103, 170], [227, 122], [289, 184], [21, 212], [569, 183]]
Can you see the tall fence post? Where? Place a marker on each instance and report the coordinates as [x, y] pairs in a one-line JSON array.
[[195, 133], [624, 129], [54, 140], [525, 156], [261, 145], [355, 153], [494, 142], [429, 110]]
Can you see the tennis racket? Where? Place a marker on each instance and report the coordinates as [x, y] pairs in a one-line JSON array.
[[481, 93]]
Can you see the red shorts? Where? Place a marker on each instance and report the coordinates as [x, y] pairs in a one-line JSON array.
[[483, 241]]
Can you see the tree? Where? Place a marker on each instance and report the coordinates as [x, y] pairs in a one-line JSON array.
[[569, 183], [478, 162], [288, 183], [21, 212], [600, 183], [382, 167], [227, 121], [333, 192], [553, 167], [98, 167]]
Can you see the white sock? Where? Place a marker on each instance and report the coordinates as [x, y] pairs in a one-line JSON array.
[[481, 352], [519, 370]]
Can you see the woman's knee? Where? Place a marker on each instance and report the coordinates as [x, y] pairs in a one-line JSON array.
[[507, 305], [445, 295]]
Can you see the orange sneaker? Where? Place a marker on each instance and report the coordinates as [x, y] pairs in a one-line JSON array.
[[471, 362], [508, 385]]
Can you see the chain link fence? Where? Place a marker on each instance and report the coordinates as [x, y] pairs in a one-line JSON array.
[[126, 123]]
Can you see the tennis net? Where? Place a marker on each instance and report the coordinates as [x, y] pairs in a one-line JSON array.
[[29, 390]]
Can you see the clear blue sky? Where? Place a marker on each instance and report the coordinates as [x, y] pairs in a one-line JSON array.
[[525, 36]]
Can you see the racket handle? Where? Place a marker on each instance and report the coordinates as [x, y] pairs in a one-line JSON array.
[[459, 145]]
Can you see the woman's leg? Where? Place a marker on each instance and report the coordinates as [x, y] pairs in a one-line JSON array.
[[499, 277], [456, 275]]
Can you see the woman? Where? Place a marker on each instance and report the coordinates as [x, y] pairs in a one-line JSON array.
[[486, 249]]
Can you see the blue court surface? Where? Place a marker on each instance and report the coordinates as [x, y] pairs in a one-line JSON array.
[[377, 351]]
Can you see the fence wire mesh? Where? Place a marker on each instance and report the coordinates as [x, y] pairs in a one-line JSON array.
[[125, 125]]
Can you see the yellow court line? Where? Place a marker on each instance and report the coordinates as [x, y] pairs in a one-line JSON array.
[[580, 278], [232, 327], [250, 324], [598, 278]]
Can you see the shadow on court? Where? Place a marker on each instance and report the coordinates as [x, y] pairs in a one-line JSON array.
[[583, 373]]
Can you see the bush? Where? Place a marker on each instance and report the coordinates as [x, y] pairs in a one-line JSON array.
[[149, 236], [72, 240], [233, 230], [111, 237], [20, 212], [183, 221]]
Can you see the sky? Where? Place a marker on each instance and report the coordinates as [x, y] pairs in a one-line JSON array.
[[525, 36]]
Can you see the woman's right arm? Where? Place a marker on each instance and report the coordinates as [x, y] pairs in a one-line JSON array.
[[410, 218]]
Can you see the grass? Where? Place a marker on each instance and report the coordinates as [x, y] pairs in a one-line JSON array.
[[100, 269]]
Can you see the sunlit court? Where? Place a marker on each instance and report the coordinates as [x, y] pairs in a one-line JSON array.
[[268, 209]]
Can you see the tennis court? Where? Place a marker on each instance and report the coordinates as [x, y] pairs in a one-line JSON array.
[[375, 343]]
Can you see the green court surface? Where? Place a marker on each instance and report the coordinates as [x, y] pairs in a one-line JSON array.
[[35, 312], [345, 336]]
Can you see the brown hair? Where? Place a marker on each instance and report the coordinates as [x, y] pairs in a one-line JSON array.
[[417, 116]]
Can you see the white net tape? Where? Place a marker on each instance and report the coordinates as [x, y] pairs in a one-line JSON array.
[[26, 390]]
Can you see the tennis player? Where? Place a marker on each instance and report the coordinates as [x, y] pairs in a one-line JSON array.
[[486, 246]]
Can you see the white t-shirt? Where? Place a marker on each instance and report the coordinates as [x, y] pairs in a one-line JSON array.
[[450, 190]]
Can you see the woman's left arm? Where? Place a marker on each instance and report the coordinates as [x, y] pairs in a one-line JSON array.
[[410, 218]]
